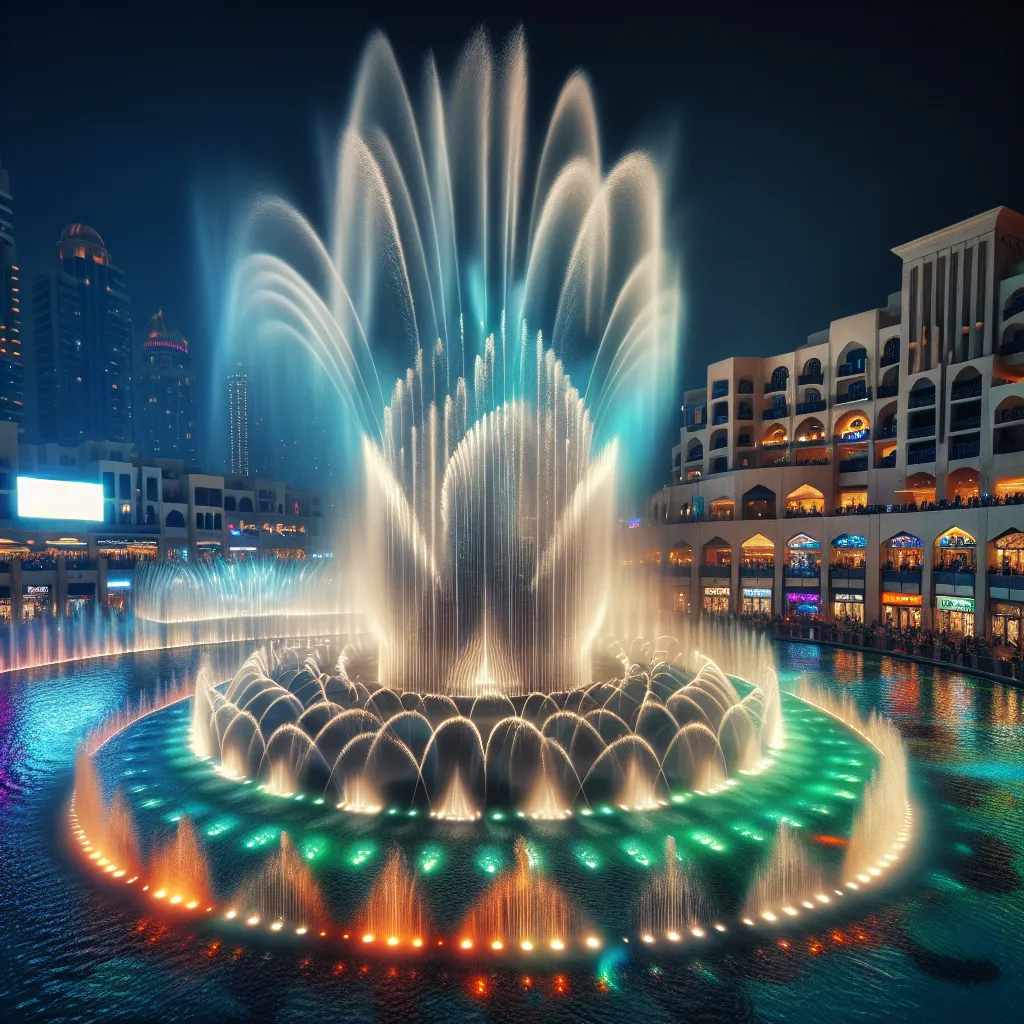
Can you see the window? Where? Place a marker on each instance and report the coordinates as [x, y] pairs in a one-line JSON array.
[[125, 486], [199, 520], [229, 503], [245, 504], [151, 490], [150, 515], [108, 485], [175, 520], [202, 496]]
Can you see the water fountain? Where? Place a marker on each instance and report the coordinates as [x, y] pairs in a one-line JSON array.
[[487, 683]]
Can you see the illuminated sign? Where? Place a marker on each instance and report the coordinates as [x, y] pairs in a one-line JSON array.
[[39, 498], [904, 599], [802, 598], [905, 540], [236, 547], [119, 584], [634, 523], [849, 540], [957, 539], [855, 435], [802, 542], [956, 604], [755, 592], [37, 590], [856, 598], [717, 591]]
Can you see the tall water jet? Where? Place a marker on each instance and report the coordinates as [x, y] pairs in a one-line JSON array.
[[394, 914], [524, 909], [179, 871], [788, 878], [90, 809], [122, 838], [674, 903], [282, 893]]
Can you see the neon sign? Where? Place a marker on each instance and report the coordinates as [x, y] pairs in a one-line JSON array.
[[849, 540], [634, 523], [956, 604], [905, 540]]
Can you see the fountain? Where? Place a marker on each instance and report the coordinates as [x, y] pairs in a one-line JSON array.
[[485, 685]]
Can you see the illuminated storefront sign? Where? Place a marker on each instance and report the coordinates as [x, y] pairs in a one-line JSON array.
[[119, 584], [905, 540], [37, 591], [855, 435], [902, 599], [717, 591], [802, 542], [850, 540], [755, 591], [634, 523], [957, 539], [956, 604], [802, 598], [856, 598]]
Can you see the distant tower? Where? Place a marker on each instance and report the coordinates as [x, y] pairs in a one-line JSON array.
[[12, 372], [238, 421], [166, 411], [82, 331]]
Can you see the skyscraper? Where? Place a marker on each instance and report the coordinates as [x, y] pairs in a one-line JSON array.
[[166, 397], [238, 421], [81, 317], [12, 372]]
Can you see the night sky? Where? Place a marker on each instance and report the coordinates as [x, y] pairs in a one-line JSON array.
[[802, 147]]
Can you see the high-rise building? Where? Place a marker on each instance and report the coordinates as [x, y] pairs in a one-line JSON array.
[[166, 397], [12, 372], [81, 316], [238, 421]]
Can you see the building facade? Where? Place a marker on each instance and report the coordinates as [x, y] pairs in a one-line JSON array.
[[152, 509], [12, 370], [238, 421], [81, 317], [874, 472], [166, 395]]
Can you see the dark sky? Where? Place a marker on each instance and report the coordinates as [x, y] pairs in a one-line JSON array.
[[805, 144]]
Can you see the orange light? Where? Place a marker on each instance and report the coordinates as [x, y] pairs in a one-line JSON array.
[[466, 943]]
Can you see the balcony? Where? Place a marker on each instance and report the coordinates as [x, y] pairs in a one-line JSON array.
[[776, 412], [804, 408], [922, 457], [1013, 346], [954, 579], [841, 575], [893, 577], [920, 399], [970, 450], [720, 418], [716, 572], [721, 442], [886, 461], [772, 388], [972, 390], [857, 465], [888, 390], [744, 412], [851, 370], [745, 441], [889, 360], [679, 571], [810, 378], [886, 433], [761, 571], [719, 465], [720, 389], [928, 430], [803, 572], [971, 423], [697, 456], [855, 396]]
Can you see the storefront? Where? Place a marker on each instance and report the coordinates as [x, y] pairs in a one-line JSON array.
[[5, 605], [902, 611], [1006, 623], [119, 593], [756, 601], [681, 602], [955, 615], [847, 607], [126, 551], [36, 601], [717, 600], [79, 596]]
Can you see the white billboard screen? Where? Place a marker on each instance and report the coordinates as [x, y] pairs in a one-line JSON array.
[[59, 499]]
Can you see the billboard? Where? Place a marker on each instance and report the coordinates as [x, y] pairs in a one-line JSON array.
[[39, 498]]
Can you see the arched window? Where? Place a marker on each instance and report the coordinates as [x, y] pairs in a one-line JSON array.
[[805, 501], [812, 368], [1006, 554], [849, 551], [1014, 304], [680, 557], [902, 553], [745, 386], [779, 379], [175, 520], [150, 515], [803, 556], [757, 556], [759, 503], [812, 395], [956, 551], [891, 351], [245, 504], [694, 453]]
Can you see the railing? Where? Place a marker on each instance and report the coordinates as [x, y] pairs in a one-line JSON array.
[[918, 458], [721, 517], [720, 418], [953, 579], [1013, 346], [854, 396], [1010, 415], [886, 461], [902, 576], [771, 387], [745, 412], [677, 570], [851, 369], [722, 442], [843, 573], [886, 432], [757, 571], [745, 441], [716, 571], [695, 457], [801, 513], [928, 430], [888, 390], [971, 423], [691, 427], [971, 450], [803, 408], [922, 398], [776, 412], [890, 360], [965, 391], [811, 378], [803, 572], [853, 465], [719, 465]]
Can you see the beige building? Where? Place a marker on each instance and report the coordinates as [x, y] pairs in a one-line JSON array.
[[800, 480]]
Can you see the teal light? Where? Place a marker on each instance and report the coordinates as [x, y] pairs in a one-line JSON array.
[[588, 857], [430, 859], [497, 816], [261, 838], [219, 827], [359, 855], [636, 851], [314, 847], [708, 839], [489, 860]]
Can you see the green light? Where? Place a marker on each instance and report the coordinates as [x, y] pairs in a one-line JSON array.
[[497, 816], [636, 851], [430, 858], [261, 838], [489, 860], [747, 832], [314, 847], [588, 857], [586, 812], [220, 827], [174, 816], [606, 810], [319, 801], [152, 802], [708, 839], [360, 855]]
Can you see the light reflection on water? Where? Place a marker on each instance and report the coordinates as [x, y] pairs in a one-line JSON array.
[[947, 949]]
